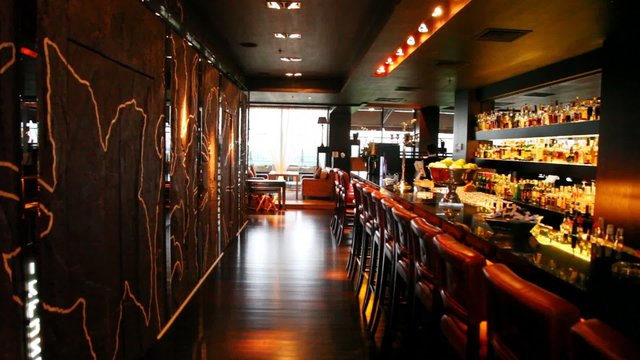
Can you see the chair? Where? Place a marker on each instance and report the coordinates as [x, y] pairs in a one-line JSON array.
[[346, 206], [321, 187], [358, 228], [369, 229], [427, 284], [376, 248], [463, 296], [386, 262], [524, 320], [404, 260], [594, 339]]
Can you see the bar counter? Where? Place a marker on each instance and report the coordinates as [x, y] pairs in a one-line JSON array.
[[588, 284]]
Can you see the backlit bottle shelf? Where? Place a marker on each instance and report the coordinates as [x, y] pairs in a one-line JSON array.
[[591, 127]]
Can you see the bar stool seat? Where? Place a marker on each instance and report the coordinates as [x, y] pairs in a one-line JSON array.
[[463, 296], [594, 339], [524, 320]]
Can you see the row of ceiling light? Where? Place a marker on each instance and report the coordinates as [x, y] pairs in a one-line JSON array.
[[438, 17], [287, 5]]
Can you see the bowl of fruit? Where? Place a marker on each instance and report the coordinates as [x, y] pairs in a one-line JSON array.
[[446, 172]]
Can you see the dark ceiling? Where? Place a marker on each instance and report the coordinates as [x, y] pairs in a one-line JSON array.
[[343, 42]]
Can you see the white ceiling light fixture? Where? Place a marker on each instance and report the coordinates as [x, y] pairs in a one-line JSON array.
[[288, 5], [423, 28], [411, 41], [297, 74], [294, 36], [289, 74], [437, 12], [280, 35], [285, 59], [295, 59]]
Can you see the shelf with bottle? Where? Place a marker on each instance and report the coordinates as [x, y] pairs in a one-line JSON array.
[[533, 116], [542, 194], [573, 150]]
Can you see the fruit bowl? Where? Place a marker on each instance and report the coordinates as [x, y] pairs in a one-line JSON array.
[[440, 176]]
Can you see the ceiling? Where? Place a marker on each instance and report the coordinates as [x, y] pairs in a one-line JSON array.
[[343, 42]]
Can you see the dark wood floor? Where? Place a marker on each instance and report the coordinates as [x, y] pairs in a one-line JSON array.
[[280, 292]]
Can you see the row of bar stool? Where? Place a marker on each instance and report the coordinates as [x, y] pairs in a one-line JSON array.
[[479, 310]]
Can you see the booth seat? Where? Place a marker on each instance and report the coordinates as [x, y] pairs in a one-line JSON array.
[[320, 185]]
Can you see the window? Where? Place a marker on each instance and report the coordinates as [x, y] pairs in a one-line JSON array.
[[283, 137]]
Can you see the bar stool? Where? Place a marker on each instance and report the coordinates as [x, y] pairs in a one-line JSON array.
[[358, 225], [427, 284], [386, 265], [453, 230], [404, 274], [524, 320], [368, 231], [377, 251], [594, 339], [463, 296], [347, 205], [336, 197]]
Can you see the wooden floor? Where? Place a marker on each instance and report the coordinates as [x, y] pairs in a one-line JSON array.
[[280, 292]]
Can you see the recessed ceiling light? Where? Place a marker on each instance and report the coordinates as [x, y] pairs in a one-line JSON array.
[[294, 5], [280, 35], [411, 41], [297, 74], [399, 52], [309, 98], [437, 11], [381, 70], [389, 61], [289, 74], [284, 58], [294, 36], [295, 59], [273, 5], [423, 28]]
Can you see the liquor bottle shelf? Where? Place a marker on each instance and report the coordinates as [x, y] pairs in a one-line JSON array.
[[566, 129], [576, 171]]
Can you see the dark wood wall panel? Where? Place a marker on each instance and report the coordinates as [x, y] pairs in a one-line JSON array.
[[186, 269], [230, 198], [101, 183], [208, 219], [10, 303]]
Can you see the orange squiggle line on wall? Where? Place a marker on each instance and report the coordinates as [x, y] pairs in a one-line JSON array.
[[5, 259], [147, 317], [9, 195], [50, 215], [159, 151], [17, 299], [61, 311], [9, 63], [9, 165]]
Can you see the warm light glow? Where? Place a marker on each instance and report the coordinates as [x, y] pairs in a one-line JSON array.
[[279, 5], [423, 32], [273, 5], [285, 59], [295, 59], [295, 36], [184, 119], [381, 70], [280, 35], [289, 74], [297, 74]]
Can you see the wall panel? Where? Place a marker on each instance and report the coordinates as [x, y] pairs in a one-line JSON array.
[[208, 220], [101, 178], [10, 248], [229, 182], [186, 268]]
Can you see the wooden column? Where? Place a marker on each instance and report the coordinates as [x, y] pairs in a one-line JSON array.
[[466, 106], [429, 124], [618, 176], [339, 126]]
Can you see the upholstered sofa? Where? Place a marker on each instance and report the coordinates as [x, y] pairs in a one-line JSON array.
[[320, 185]]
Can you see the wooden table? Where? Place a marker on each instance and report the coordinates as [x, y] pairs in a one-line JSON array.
[[274, 175], [269, 186]]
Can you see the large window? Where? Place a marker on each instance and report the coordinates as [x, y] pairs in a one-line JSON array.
[[284, 137]]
